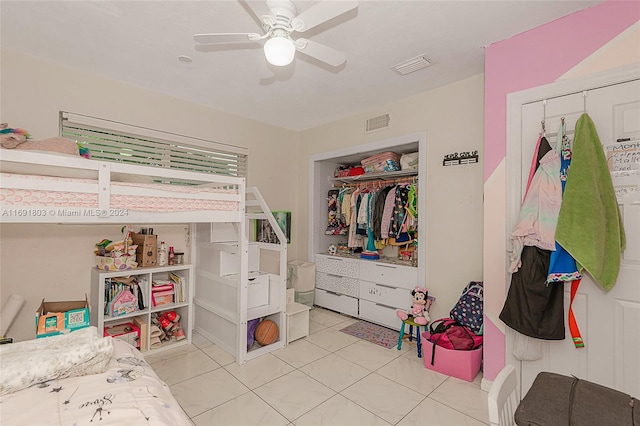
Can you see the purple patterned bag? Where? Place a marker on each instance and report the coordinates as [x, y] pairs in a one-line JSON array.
[[468, 310]]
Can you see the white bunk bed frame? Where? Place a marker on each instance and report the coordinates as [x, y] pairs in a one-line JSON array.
[[105, 173]]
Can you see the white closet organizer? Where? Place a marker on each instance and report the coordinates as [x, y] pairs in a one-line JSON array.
[[225, 301], [39, 187], [366, 289]]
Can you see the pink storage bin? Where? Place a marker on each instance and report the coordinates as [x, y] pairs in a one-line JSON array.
[[464, 365]]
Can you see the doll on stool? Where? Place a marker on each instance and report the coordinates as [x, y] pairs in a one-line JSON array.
[[417, 312]]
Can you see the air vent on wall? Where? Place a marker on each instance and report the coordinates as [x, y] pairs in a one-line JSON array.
[[411, 65], [377, 123]]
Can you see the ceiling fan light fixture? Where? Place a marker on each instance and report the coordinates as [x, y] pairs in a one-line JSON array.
[[279, 51]]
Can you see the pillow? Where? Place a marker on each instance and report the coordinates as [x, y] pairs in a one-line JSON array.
[[59, 145]]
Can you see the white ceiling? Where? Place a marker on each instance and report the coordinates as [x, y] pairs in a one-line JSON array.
[[138, 43]]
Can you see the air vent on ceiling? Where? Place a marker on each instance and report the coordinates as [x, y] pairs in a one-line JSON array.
[[411, 65], [377, 123]]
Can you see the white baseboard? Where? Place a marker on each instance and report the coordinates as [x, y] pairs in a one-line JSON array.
[[485, 384]]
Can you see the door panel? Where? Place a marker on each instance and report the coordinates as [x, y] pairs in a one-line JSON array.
[[609, 321]]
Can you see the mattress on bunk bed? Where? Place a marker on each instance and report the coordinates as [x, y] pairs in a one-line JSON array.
[[43, 198], [128, 392]]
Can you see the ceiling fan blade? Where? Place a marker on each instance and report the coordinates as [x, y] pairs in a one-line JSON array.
[[321, 12], [320, 52], [261, 11], [225, 37]]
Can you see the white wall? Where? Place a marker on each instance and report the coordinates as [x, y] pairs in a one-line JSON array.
[[453, 118], [53, 261]]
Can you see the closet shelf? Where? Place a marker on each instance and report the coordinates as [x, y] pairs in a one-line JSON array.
[[377, 176]]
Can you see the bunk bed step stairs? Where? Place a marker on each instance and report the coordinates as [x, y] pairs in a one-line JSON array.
[[223, 305]]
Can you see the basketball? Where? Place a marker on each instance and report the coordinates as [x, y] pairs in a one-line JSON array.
[[266, 332]]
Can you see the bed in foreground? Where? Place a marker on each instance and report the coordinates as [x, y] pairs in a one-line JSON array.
[[126, 392]]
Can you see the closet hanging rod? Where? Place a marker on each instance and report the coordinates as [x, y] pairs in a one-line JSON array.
[[377, 183]]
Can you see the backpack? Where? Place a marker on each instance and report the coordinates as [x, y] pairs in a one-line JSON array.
[[448, 334], [469, 308]]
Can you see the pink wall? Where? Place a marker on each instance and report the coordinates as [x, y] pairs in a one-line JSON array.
[[531, 59]]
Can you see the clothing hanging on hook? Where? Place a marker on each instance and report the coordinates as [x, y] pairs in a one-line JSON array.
[[542, 147]]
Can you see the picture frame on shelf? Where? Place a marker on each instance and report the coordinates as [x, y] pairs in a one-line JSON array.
[[264, 231]]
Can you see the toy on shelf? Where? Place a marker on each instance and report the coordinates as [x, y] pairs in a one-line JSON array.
[[419, 310], [113, 256], [165, 327]]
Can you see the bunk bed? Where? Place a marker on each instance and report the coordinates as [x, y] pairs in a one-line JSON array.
[[41, 187], [49, 188]]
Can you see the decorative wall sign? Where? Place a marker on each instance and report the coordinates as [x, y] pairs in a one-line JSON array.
[[458, 158]]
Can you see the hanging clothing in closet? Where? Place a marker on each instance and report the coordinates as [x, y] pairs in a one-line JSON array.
[[378, 216], [378, 213], [336, 223]]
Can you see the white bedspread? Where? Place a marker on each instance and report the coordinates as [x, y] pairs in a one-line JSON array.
[[79, 353], [127, 393]]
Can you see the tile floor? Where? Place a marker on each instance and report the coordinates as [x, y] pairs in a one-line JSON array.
[[328, 378]]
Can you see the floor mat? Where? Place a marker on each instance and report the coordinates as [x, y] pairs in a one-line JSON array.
[[373, 333]]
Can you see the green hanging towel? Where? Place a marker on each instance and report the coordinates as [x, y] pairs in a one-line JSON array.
[[590, 226]]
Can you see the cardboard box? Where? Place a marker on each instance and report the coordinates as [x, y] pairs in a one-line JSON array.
[[464, 365], [147, 251], [61, 317], [126, 332]]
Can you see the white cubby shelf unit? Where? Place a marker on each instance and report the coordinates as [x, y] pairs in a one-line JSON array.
[[145, 276]]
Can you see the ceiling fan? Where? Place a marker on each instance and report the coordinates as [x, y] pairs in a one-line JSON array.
[[280, 20]]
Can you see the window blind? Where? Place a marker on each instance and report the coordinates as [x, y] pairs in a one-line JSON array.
[[113, 141]]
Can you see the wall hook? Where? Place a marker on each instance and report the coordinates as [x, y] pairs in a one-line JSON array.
[[584, 101]]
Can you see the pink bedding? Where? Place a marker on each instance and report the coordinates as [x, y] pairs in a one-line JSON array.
[[41, 198]]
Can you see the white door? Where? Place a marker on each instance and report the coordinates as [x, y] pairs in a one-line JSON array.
[[609, 322]]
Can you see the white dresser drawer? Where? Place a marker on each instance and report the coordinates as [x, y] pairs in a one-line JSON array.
[[385, 273], [399, 298], [337, 302], [380, 314], [337, 284], [337, 265]]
